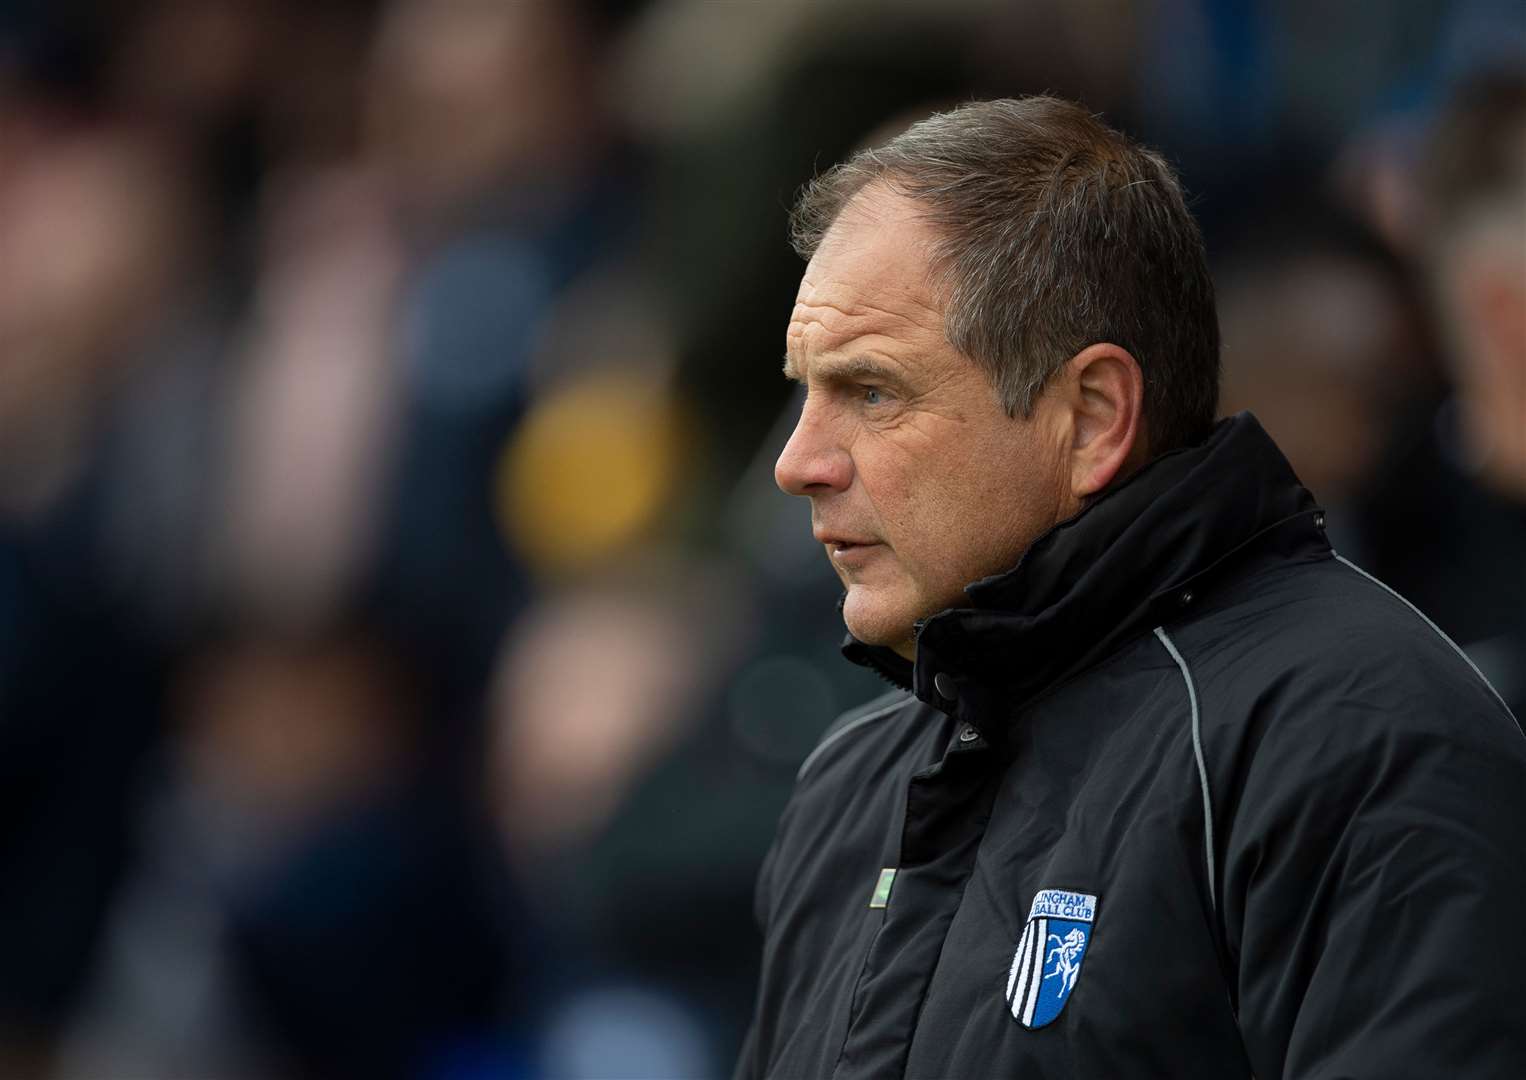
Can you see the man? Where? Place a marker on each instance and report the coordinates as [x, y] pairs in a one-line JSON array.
[[1166, 788]]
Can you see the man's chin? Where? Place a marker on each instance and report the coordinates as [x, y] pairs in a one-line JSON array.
[[873, 621]]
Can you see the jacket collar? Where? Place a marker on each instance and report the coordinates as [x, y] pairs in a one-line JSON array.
[[1135, 558]]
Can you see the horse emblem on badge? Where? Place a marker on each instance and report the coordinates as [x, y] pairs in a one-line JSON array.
[[1047, 962]]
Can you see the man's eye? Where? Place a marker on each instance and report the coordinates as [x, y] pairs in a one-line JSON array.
[[872, 395]]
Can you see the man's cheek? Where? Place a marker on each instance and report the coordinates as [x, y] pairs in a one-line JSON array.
[[899, 506]]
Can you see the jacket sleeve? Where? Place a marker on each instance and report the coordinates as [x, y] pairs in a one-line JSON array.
[[747, 1060], [749, 1064], [1374, 885]]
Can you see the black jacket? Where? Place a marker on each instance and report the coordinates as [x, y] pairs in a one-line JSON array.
[[1183, 795]]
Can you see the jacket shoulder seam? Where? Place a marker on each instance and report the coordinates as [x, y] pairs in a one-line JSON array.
[[851, 721], [1391, 591], [1197, 752]]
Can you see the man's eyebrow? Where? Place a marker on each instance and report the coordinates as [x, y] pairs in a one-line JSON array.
[[848, 368]]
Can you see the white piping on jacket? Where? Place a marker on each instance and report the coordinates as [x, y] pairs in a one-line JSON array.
[[1197, 750], [851, 725], [1439, 632]]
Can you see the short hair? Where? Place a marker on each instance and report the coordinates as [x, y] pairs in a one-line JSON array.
[[1055, 232]]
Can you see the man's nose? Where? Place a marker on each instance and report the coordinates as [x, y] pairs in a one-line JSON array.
[[813, 462]]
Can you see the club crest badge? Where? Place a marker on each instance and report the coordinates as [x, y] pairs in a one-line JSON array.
[[1048, 958]]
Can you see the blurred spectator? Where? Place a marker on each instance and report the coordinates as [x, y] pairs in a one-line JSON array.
[[312, 406], [271, 738], [1449, 521], [96, 239], [491, 124], [1476, 183], [593, 690], [100, 246], [1325, 340]]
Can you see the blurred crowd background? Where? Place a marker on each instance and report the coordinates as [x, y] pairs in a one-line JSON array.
[[404, 653]]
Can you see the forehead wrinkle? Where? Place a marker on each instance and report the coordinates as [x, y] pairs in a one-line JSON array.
[[870, 335], [825, 328], [863, 310]]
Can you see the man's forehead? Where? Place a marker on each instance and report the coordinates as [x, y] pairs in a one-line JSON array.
[[868, 276], [879, 235]]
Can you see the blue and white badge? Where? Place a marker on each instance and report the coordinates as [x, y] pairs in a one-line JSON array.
[[1048, 958]]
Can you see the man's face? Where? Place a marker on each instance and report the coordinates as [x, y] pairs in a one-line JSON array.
[[919, 481]]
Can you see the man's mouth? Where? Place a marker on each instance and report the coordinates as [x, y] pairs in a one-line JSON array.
[[841, 547]]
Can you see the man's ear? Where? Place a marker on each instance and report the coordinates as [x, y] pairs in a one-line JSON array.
[[1106, 399]]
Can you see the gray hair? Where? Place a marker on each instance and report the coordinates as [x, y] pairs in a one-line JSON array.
[[1055, 232]]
